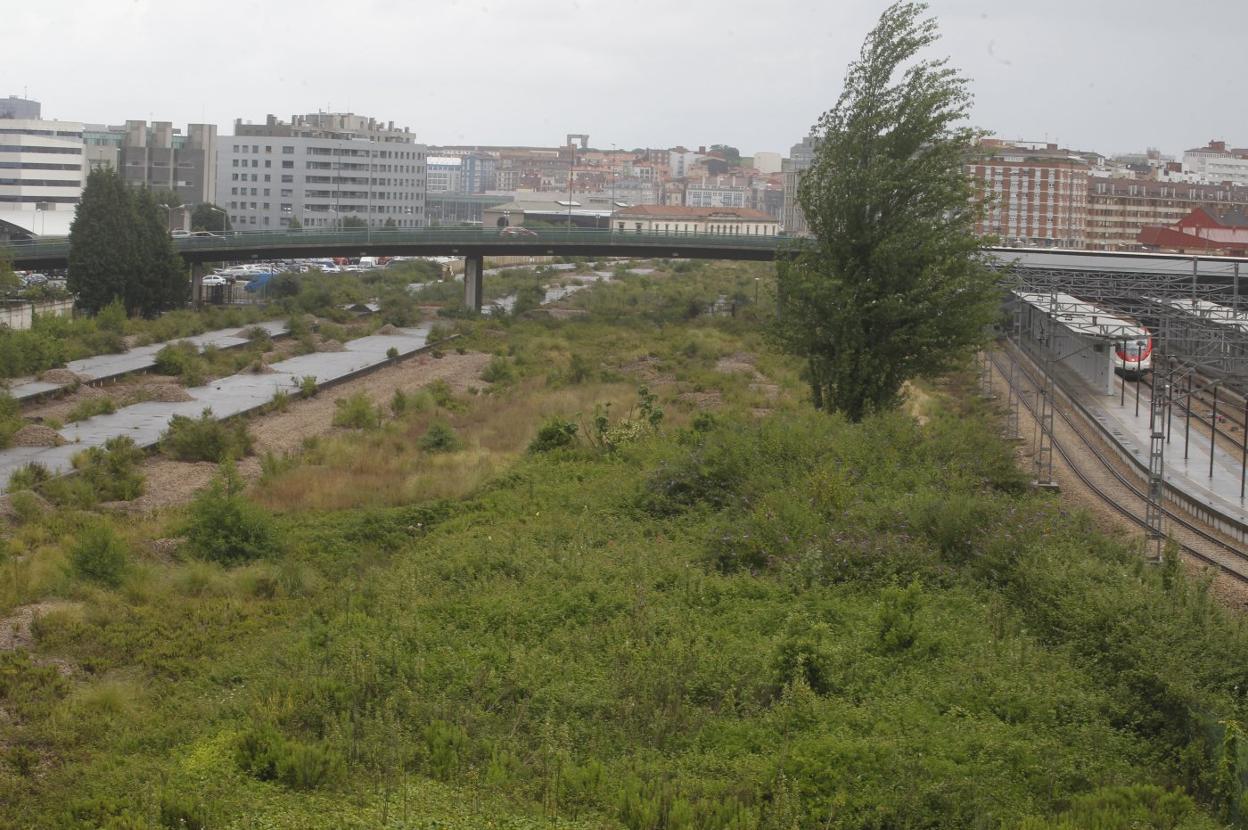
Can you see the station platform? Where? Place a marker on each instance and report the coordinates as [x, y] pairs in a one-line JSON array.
[[1210, 495]]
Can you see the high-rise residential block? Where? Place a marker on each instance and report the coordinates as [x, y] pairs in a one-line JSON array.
[[1033, 194], [320, 169]]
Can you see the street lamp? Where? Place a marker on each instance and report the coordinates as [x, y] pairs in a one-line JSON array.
[[225, 217]]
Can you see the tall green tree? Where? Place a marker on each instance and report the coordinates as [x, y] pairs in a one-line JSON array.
[[208, 217], [103, 244], [895, 285], [353, 222], [9, 282], [160, 282]]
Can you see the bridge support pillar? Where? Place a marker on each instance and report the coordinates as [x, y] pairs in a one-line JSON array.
[[474, 282], [197, 283]]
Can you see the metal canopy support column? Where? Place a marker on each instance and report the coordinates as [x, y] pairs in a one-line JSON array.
[[1156, 471], [1012, 427], [474, 282], [1044, 443]]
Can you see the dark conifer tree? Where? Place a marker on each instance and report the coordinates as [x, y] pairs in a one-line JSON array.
[[102, 242]]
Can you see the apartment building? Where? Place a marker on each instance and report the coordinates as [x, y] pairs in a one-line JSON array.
[[1035, 194], [157, 156], [1217, 163], [41, 176], [320, 169], [721, 191], [443, 174], [801, 157], [1119, 209]]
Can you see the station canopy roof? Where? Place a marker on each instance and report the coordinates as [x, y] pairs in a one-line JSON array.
[[1084, 318]]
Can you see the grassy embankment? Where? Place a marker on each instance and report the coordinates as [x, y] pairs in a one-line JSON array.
[[766, 618]]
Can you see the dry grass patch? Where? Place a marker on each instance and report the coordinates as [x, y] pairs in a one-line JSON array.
[[387, 468]]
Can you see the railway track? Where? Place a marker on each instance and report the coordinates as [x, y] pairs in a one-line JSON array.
[[1228, 559]]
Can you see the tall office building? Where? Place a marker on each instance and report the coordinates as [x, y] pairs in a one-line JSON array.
[[14, 107], [41, 174], [321, 169], [801, 157]]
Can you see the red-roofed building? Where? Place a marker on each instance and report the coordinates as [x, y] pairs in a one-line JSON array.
[[1203, 230]]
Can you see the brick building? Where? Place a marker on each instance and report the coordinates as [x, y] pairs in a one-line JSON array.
[[1036, 194], [1119, 209]]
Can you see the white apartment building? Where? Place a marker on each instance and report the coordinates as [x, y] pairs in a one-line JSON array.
[[444, 174], [1216, 164], [41, 176], [321, 169], [707, 193]]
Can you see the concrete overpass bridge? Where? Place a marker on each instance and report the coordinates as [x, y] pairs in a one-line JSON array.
[[1071, 269]]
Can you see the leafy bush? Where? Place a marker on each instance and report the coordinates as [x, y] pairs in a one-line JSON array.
[[175, 358], [26, 506], [29, 477], [10, 418], [112, 471], [265, 754], [553, 434], [499, 370], [99, 555], [392, 353], [90, 407], [357, 411], [443, 396], [223, 526], [307, 386], [205, 438], [440, 438]]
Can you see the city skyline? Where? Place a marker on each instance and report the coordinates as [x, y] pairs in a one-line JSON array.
[[640, 75]]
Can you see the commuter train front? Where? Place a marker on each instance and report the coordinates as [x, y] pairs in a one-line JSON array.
[[1134, 357]]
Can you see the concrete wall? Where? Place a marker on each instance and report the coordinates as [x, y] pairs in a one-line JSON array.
[[19, 315], [1090, 358]]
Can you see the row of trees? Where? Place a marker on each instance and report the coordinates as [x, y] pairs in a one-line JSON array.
[[119, 249]]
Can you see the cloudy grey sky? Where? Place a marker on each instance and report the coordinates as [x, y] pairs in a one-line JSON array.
[[1108, 75]]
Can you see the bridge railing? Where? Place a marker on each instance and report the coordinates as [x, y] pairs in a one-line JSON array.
[[254, 242]]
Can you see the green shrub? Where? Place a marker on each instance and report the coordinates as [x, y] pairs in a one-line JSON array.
[[90, 407], [10, 417], [443, 396], [112, 471], [29, 477], [280, 402], [307, 386], [440, 438], [356, 411], [26, 506], [553, 435], [223, 526], [499, 370], [205, 438], [265, 754], [175, 358], [392, 353], [99, 555]]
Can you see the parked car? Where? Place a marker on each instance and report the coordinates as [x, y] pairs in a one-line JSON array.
[[214, 279], [179, 234]]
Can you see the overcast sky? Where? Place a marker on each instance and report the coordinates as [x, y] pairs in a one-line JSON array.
[[1106, 75]]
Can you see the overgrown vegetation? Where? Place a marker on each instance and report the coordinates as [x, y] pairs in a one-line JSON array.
[[662, 617]]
